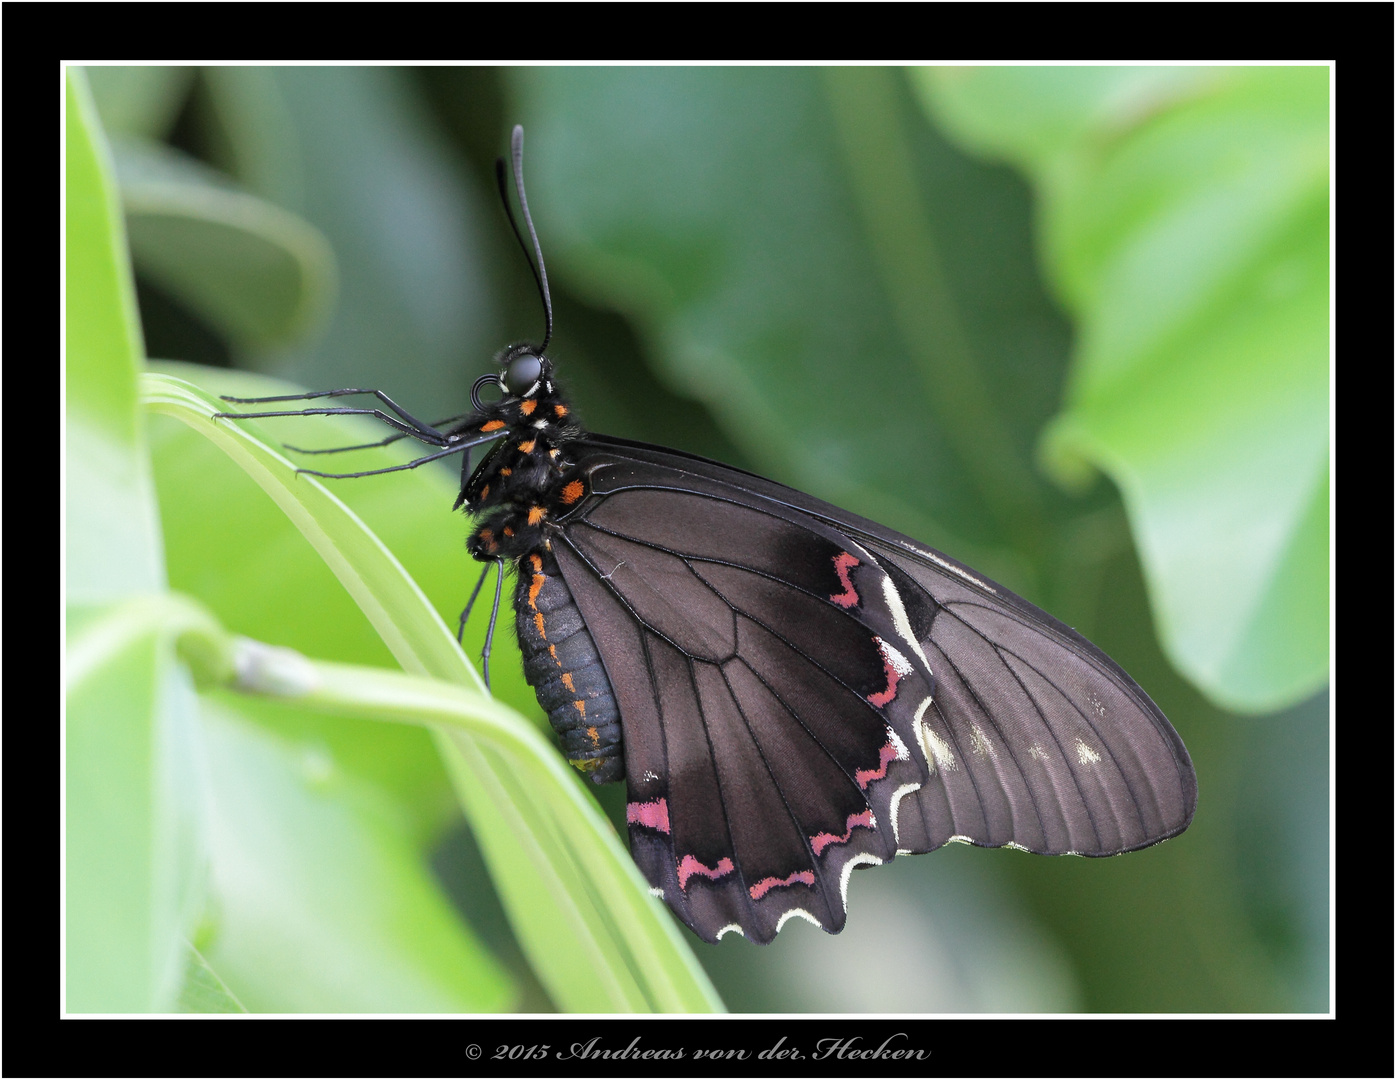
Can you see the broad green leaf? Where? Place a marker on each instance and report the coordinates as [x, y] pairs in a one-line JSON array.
[[133, 835], [256, 272], [1185, 221], [321, 900], [622, 951], [113, 539]]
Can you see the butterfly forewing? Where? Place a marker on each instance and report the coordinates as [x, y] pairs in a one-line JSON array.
[[804, 692]]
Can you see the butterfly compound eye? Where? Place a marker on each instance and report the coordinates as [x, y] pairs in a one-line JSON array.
[[522, 372]]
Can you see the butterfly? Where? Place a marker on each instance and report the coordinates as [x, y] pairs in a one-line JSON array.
[[789, 691]]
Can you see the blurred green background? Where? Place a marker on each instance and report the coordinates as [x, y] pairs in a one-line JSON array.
[[1067, 325]]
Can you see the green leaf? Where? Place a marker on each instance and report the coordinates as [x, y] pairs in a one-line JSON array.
[[352, 149], [257, 273], [134, 836], [321, 900], [203, 990], [139, 100], [133, 833], [113, 539], [577, 903], [1185, 221]]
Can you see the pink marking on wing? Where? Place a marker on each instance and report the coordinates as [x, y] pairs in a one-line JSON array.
[[885, 757], [843, 563], [895, 665], [765, 885], [824, 839], [883, 697], [689, 866], [653, 815]]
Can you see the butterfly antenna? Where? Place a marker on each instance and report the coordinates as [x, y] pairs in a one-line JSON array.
[[540, 272]]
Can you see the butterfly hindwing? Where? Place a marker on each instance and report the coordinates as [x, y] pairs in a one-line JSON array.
[[803, 692]]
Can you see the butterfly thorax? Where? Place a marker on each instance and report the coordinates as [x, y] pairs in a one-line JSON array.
[[523, 481]]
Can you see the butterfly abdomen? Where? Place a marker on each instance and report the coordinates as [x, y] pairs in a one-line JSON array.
[[564, 668]]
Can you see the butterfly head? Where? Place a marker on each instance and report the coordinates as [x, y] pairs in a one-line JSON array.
[[526, 371]]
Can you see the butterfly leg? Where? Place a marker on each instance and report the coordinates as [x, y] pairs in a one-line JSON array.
[[369, 446], [460, 630], [399, 468], [494, 614], [411, 426]]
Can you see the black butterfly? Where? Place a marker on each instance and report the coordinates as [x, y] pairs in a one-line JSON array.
[[789, 691]]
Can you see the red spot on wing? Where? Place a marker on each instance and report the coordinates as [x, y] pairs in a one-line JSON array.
[[572, 492], [765, 885], [885, 757], [688, 866], [882, 697], [652, 815], [843, 563], [823, 840], [895, 665]]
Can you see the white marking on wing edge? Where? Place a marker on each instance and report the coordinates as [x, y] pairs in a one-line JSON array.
[[935, 750], [895, 660], [1016, 847], [956, 570], [897, 796], [899, 619], [903, 851], [980, 744], [958, 839], [1085, 755], [802, 913], [730, 928], [657, 892], [849, 867], [903, 753]]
